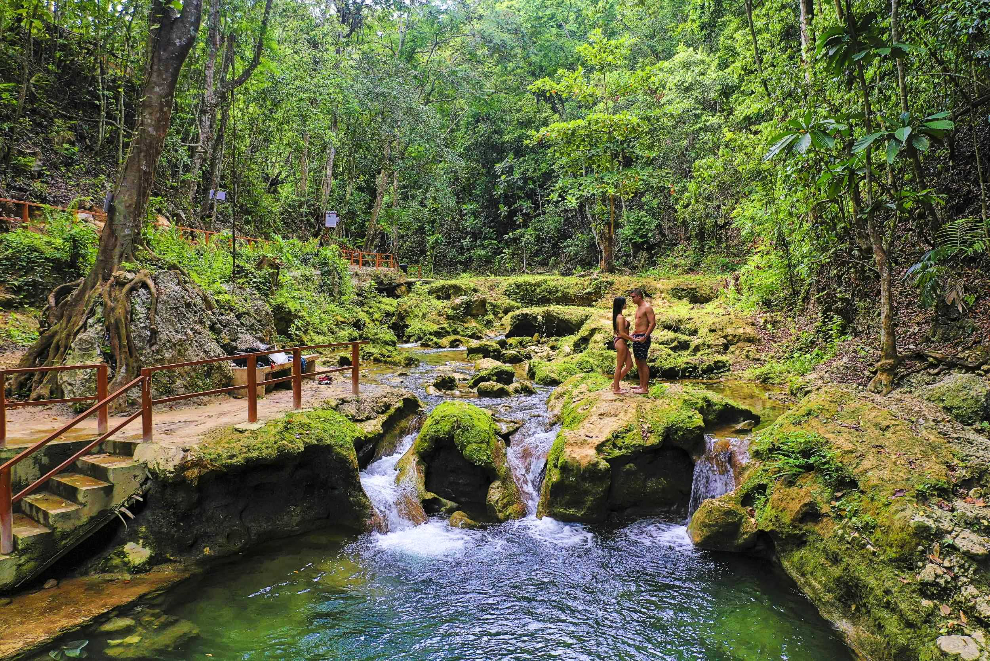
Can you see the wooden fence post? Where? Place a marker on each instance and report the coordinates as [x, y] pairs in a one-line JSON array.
[[147, 431], [26, 213], [101, 394], [355, 363], [6, 513], [252, 389], [360, 259], [3, 409], [296, 379]]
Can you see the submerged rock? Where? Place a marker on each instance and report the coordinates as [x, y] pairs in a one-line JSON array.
[[445, 382], [626, 454], [484, 350], [458, 462]]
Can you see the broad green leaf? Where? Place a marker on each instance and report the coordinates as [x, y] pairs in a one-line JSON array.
[[902, 133], [780, 146], [865, 142], [893, 147], [803, 143], [941, 124], [920, 143]]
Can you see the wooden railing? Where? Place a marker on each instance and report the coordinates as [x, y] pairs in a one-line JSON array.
[[101, 393], [361, 258], [8, 499], [192, 232], [24, 210]]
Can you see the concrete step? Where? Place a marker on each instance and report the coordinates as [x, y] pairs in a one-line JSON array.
[[53, 511], [124, 473], [123, 447], [28, 533], [94, 495]]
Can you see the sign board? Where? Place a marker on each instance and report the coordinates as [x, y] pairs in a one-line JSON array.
[[218, 195], [330, 220]]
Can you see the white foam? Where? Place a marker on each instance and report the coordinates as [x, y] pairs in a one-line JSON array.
[[557, 533], [430, 540], [660, 534]]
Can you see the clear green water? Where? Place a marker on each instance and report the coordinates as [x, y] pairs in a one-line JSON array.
[[530, 589], [524, 590]]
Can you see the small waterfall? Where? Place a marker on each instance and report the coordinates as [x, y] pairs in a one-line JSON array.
[[378, 480], [527, 456], [713, 474]]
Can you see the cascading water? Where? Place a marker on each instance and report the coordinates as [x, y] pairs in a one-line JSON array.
[[378, 480], [713, 472]]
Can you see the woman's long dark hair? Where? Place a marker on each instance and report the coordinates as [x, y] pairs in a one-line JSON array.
[[617, 305]]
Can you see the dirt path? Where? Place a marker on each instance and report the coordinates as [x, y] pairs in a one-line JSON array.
[[183, 425]]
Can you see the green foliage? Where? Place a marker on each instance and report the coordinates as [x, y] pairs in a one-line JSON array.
[[788, 455], [33, 263]]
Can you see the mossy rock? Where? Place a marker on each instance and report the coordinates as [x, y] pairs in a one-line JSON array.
[[453, 342], [555, 372], [458, 462], [551, 321], [445, 382], [499, 374], [512, 357], [864, 498], [450, 289], [484, 350], [461, 520], [722, 524], [493, 389], [621, 454], [966, 397], [556, 290], [522, 388]]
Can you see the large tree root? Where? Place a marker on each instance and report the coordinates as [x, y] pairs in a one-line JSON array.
[[67, 316]]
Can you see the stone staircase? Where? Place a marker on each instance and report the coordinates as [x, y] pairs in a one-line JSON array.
[[70, 507]]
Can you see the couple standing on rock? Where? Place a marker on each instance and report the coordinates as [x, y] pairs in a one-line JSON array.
[[639, 341]]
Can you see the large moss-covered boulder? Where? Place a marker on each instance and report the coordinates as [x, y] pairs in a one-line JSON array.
[[551, 321], [498, 374], [493, 389], [722, 524], [556, 290], [876, 507], [966, 397], [617, 454], [458, 462]]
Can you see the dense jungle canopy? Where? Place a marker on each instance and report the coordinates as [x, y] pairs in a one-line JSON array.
[[831, 155]]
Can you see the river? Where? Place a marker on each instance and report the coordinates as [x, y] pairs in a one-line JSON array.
[[528, 589]]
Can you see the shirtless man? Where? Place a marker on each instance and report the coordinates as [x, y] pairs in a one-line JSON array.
[[642, 334]]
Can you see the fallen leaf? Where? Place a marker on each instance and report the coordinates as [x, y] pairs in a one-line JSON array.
[[904, 580], [962, 616], [898, 493], [945, 610]]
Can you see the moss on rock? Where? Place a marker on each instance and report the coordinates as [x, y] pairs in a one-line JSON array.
[[722, 524], [550, 321], [493, 390], [868, 501], [618, 454], [556, 290], [498, 374], [966, 397], [458, 462]]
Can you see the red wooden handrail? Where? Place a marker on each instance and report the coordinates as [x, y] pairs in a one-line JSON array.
[[26, 206], [101, 393], [7, 499]]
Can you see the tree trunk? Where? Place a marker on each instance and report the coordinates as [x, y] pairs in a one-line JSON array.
[[26, 57], [381, 183], [807, 14], [214, 92], [756, 48], [608, 239], [171, 36], [304, 167]]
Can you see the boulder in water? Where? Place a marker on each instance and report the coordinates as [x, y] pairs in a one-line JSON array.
[[493, 389], [522, 388], [458, 462], [722, 524], [619, 454], [499, 374], [445, 382], [484, 350]]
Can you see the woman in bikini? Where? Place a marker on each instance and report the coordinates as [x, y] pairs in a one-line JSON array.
[[621, 340]]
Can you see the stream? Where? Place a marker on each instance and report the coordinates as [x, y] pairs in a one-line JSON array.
[[527, 589]]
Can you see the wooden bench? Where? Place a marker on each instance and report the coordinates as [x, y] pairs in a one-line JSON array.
[[269, 373]]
